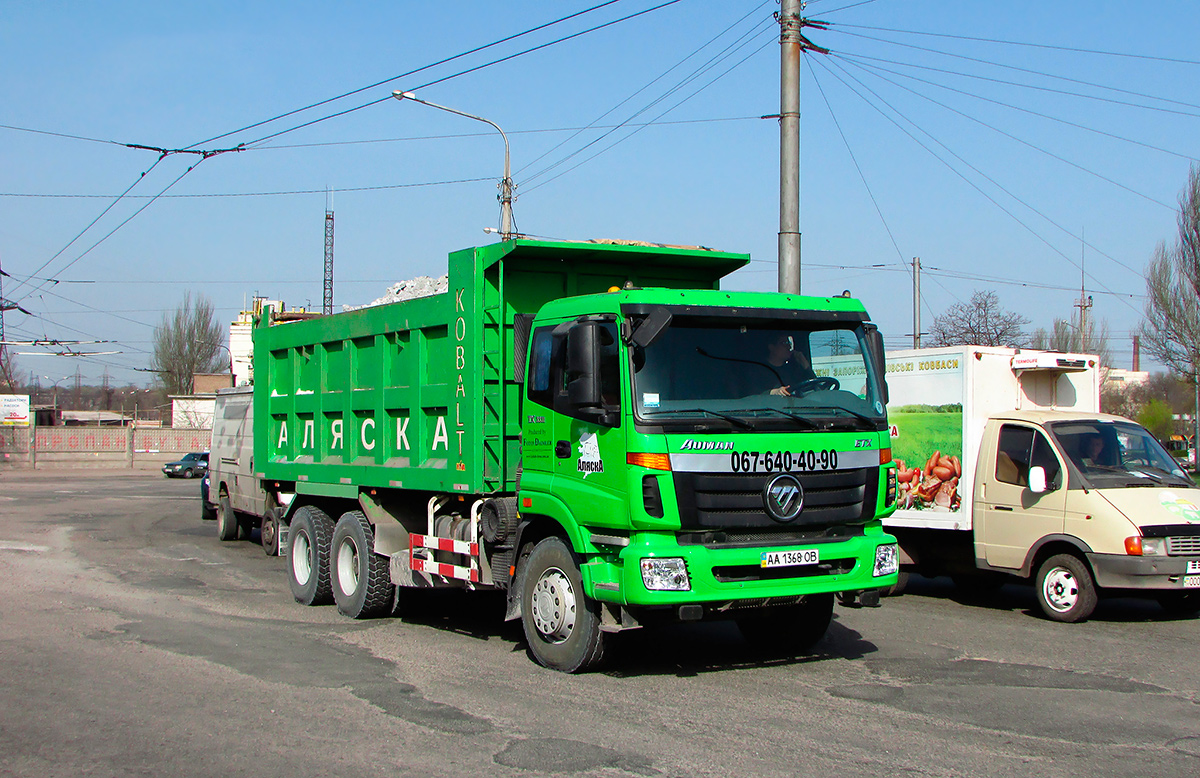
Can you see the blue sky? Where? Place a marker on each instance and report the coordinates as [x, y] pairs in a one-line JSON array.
[[1059, 163]]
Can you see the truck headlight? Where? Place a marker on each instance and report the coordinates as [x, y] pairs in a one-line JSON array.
[[887, 560], [1139, 546], [665, 575]]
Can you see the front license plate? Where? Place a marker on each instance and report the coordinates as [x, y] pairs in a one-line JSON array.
[[1191, 582], [1193, 566], [809, 556]]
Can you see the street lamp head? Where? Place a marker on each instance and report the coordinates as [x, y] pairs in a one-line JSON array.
[[400, 95]]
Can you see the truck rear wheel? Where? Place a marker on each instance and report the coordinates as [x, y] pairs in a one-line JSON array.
[[562, 626], [795, 628], [227, 520], [308, 560], [359, 576], [1065, 589]]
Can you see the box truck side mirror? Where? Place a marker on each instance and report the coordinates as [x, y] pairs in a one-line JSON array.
[[583, 365], [1037, 479]]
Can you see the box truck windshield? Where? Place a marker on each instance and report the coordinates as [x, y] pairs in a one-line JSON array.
[[757, 373], [1116, 454]]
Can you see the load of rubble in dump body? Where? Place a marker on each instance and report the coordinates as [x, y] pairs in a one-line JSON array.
[[421, 286]]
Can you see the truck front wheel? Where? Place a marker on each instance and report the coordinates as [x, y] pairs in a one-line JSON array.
[[1065, 589], [308, 557], [359, 576], [562, 626], [792, 628]]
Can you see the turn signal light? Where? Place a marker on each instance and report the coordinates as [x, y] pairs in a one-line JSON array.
[[651, 461], [885, 456]]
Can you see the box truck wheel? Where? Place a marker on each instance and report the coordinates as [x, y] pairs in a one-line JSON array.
[[311, 532], [227, 520], [791, 628], [562, 626], [359, 577], [1065, 589]]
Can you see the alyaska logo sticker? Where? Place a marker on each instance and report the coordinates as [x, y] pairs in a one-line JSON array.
[[1181, 507], [589, 454]]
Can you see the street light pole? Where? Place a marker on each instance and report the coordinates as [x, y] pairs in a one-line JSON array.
[[506, 183]]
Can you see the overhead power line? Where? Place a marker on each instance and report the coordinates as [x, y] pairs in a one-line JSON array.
[[1026, 44]]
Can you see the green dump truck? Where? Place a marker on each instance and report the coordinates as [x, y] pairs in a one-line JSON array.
[[595, 428]]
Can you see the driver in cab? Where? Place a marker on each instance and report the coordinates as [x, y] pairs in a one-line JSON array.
[[790, 366]]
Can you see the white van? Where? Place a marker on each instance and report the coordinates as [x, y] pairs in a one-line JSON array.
[[242, 505]]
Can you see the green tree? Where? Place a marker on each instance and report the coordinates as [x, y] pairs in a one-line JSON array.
[[1157, 416], [187, 342]]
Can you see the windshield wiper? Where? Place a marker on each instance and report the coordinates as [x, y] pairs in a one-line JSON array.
[[860, 416], [731, 419], [802, 419]]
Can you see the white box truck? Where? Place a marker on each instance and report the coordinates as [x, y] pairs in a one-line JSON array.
[[1007, 468]]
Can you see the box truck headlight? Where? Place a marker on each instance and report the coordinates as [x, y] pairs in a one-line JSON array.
[[887, 559], [665, 575], [1139, 546]]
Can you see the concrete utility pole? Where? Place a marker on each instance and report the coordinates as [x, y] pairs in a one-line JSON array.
[[791, 44], [916, 302]]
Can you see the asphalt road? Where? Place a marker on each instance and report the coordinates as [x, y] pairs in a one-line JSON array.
[[133, 642]]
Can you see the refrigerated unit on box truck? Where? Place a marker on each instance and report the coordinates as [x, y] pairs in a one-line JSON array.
[[595, 428], [1007, 468]]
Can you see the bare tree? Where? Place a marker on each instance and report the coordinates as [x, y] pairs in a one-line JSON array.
[[980, 322], [1066, 335], [187, 342], [1171, 329]]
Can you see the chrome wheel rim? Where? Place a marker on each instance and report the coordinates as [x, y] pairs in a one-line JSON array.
[[347, 567], [553, 606], [301, 562]]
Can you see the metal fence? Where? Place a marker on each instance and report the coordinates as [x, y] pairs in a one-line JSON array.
[[133, 446]]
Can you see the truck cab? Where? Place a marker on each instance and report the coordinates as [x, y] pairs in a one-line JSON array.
[[1085, 503]]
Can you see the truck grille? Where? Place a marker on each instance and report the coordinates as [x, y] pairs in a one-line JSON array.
[[1183, 546], [763, 537], [734, 501]]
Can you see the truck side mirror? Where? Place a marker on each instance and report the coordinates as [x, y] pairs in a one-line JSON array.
[[583, 365], [878, 358], [1037, 479]]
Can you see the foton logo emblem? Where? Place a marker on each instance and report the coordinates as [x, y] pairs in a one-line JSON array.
[[783, 498]]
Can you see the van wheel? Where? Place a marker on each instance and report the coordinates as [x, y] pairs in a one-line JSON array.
[[562, 626], [1180, 603], [1065, 589], [268, 533], [359, 576], [795, 628], [227, 520], [308, 559]]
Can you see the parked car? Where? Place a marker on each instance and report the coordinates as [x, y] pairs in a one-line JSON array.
[[208, 509], [191, 465]]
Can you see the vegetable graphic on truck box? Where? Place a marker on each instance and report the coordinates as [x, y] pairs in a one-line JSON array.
[[596, 429]]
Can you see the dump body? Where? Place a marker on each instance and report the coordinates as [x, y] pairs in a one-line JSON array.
[[421, 394]]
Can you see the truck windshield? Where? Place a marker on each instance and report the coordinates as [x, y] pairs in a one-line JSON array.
[[764, 373], [1117, 453]]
